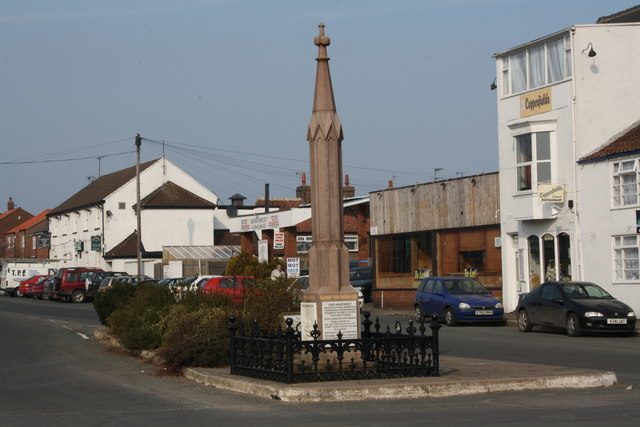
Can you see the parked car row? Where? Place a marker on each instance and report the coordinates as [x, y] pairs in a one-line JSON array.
[[575, 307]]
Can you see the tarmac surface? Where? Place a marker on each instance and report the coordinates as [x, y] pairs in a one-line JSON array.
[[51, 375]]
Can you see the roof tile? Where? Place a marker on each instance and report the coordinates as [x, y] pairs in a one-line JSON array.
[[98, 190], [624, 143]]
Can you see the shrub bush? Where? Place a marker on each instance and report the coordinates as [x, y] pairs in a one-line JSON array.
[[112, 299], [248, 265], [196, 338], [194, 300], [141, 323], [269, 301]]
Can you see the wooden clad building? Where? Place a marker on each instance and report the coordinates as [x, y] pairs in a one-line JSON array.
[[449, 227]]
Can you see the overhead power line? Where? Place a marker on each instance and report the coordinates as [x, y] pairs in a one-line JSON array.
[[71, 159]]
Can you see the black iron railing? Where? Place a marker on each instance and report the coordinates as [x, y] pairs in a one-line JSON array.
[[286, 357]]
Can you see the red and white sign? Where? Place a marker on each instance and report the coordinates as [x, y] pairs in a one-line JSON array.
[[278, 240]]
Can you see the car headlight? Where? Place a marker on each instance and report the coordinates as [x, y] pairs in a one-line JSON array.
[[464, 306], [593, 314], [498, 305], [631, 314]]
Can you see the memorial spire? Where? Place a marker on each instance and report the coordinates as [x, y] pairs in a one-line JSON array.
[[324, 118]]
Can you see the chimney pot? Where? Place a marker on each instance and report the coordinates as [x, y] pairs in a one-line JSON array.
[[303, 178]]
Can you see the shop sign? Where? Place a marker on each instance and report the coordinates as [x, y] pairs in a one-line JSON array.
[[261, 222], [535, 102], [263, 250], [79, 246], [96, 243], [278, 240], [497, 242], [550, 193], [293, 267]]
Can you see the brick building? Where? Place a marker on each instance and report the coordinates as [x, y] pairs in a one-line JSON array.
[[29, 239], [292, 218], [8, 220]]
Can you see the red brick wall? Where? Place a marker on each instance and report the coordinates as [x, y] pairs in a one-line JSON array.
[[394, 298], [16, 218]]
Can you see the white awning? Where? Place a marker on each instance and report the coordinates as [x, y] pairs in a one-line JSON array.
[[219, 253]]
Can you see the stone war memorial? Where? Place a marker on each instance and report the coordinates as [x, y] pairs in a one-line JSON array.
[[330, 302], [331, 342]]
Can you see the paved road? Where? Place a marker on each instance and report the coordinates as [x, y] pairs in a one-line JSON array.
[[604, 352], [52, 375]]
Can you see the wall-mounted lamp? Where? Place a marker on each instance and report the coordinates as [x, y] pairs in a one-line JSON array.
[[109, 213], [591, 53], [494, 86]]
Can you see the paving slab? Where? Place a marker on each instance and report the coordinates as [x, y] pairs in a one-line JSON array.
[[459, 376]]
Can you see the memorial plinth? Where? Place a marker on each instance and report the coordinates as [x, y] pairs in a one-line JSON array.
[[330, 301]]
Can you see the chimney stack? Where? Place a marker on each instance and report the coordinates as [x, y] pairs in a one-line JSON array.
[[348, 190], [303, 191], [237, 200], [10, 204], [390, 184]]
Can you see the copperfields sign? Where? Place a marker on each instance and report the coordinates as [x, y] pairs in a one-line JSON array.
[[535, 102]]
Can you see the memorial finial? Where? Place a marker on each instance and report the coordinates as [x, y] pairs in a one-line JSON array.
[[322, 42]]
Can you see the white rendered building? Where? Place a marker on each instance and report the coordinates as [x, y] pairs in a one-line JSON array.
[[567, 109], [96, 226]]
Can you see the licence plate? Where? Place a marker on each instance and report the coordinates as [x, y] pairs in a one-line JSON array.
[[616, 321], [485, 312]]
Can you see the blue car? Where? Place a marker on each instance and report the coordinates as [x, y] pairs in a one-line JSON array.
[[457, 299]]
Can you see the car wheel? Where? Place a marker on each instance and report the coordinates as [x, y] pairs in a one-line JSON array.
[[524, 325], [77, 296], [573, 325], [450, 318], [419, 314], [17, 293]]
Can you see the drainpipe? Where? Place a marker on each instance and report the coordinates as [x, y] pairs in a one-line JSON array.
[[576, 204]]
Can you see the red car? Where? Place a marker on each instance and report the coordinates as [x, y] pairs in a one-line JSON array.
[[38, 287], [233, 286], [69, 283], [26, 286]]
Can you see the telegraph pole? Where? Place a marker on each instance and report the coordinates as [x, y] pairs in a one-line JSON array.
[[139, 225]]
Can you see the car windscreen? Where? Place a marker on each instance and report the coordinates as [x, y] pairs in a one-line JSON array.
[[42, 280], [584, 291], [464, 286]]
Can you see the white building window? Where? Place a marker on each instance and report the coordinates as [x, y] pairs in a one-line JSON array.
[[303, 244], [536, 66], [625, 183], [351, 242], [625, 256], [533, 160]]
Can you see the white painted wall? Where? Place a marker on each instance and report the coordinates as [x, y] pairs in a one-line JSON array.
[[159, 228], [603, 108], [176, 227]]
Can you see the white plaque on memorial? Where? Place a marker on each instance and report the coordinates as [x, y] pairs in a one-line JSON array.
[[340, 316], [308, 316]]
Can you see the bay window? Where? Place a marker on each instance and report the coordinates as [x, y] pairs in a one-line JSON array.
[[533, 160]]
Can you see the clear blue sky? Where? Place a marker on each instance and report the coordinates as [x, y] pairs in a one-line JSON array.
[[411, 81]]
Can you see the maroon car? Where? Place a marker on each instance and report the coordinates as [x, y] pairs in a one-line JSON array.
[[69, 283]]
